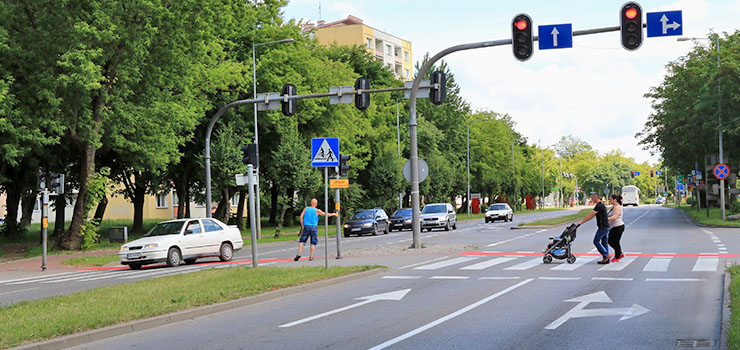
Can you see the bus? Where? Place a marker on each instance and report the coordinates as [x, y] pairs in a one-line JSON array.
[[630, 195]]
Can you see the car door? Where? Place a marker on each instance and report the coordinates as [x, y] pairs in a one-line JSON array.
[[451, 215], [193, 239], [214, 234], [384, 220]]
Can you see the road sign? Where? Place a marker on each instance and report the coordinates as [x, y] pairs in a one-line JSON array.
[[475, 195], [341, 98], [698, 175], [556, 36], [658, 172], [721, 171], [598, 297], [324, 152], [637, 173], [664, 24], [423, 170], [338, 183]]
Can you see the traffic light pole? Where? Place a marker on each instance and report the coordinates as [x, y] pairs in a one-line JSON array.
[[44, 225], [339, 222], [252, 214]]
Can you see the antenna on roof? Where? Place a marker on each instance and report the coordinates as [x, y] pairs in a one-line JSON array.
[[320, 10]]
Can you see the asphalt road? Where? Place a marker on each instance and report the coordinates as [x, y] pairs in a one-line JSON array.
[[38, 284], [668, 289]]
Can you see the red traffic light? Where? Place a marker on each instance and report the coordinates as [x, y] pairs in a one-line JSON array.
[[631, 13], [521, 25]]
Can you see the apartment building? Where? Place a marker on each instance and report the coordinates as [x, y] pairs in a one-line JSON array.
[[395, 52]]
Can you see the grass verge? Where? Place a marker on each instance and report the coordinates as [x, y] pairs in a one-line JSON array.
[[715, 216], [733, 333], [91, 260], [559, 220], [57, 316]]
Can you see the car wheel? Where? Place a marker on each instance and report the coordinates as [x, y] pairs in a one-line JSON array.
[[375, 230], [135, 266], [346, 235], [511, 218], [486, 220], [454, 226], [387, 230], [226, 252], [447, 227], [173, 257], [190, 261]]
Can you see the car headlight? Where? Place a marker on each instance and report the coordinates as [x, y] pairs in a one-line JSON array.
[[123, 247], [346, 225], [369, 224], [151, 245], [408, 221]]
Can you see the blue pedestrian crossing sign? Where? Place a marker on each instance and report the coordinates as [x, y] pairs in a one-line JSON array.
[[637, 173], [666, 23], [555, 36], [658, 172], [325, 152]]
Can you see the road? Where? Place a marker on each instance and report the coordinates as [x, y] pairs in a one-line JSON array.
[[667, 290], [37, 285]]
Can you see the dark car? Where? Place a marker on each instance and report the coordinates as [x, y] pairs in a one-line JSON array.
[[367, 221], [401, 219]]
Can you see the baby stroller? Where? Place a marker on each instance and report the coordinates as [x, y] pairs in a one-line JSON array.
[[560, 247]]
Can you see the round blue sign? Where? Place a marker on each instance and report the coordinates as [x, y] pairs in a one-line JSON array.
[[721, 171]]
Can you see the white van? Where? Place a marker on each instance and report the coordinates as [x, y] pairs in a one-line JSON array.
[[630, 195]]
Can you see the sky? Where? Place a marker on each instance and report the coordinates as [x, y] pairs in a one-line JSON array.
[[593, 91]]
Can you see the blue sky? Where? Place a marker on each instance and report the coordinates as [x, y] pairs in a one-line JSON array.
[[593, 91]]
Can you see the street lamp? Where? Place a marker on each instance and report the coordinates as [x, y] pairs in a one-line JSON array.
[[256, 133], [468, 199], [719, 117]]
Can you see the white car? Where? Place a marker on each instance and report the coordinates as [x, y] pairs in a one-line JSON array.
[[438, 215], [499, 211], [175, 241]]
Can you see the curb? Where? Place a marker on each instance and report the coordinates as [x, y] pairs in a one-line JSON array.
[[725, 312], [700, 224], [184, 315]]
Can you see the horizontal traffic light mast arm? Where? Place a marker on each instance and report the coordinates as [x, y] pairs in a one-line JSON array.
[[592, 31]]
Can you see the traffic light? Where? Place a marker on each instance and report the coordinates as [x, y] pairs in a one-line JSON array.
[[343, 166], [632, 174], [333, 171], [438, 95], [522, 41], [362, 100], [56, 183], [651, 173], [289, 107], [250, 155], [630, 25]]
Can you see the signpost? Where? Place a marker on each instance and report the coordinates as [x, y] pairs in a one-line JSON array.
[[325, 154], [664, 24], [556, 36], [338, 183]]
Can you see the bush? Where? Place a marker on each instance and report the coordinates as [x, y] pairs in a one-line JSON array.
[[735, 207]]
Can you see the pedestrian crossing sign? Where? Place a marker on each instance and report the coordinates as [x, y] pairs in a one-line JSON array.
[[325, 152]]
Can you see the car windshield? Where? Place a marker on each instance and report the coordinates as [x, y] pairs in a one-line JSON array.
[[165, 228], [363, 215], [497, 207], [431, 209], [402, 212]]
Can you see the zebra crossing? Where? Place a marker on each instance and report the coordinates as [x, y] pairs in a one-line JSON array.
[[660, 263]]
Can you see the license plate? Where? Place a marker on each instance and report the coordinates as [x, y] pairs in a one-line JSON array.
[[355, 229], [133, 256]]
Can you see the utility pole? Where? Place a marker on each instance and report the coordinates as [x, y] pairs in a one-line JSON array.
[[398, 136], [560, 189], [513, 173], [542, 207]]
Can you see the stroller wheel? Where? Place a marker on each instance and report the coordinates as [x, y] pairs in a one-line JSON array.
[[547, 259], [571, 259]]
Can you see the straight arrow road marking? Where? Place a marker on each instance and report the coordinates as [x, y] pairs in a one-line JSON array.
[[397, 295], [598, 297]]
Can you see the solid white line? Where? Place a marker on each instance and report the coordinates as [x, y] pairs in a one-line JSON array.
[[611, 279], [422, 263], [291, 324], [19, 291], [401, 277], [442, 264], [449, 277], [450, 316], [499, 278], [675, 280], [559, 278]]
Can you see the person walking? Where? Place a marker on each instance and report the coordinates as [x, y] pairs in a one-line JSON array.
[[616, 226], [602, 224], [310, 227]]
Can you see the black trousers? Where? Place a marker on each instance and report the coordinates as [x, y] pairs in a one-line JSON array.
[[615, 235]]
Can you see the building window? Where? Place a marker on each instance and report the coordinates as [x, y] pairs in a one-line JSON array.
[[406, 74], [175, 199], [406, 56], [162, 200], [369, 43], [389, 49], [235, 200]]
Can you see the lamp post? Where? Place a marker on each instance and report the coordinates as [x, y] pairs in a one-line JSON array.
[[513, 173], [256, 133], [398, 136], [468, 198], [719, 118], [542, 202]]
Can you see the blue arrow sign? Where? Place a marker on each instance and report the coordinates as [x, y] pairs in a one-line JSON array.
[[555, 36], [658, 172], [637, 173], [667, 23], [325, 152]]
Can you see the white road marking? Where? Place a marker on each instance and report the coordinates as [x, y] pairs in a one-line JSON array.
[[422, 263], [19, 291], [110, 275], [401, 277], [657, 265], [449, 277], [499, 278], [675, 280], [611, 278], [37, 277], [50, 278], [706, 264], [570, 267], [450, 316], [161, 271], [559, 278], [621, 265], [488, 263], [526, 265], [442, 264]]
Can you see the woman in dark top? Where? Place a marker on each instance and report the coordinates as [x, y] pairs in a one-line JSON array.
[[602, 233]]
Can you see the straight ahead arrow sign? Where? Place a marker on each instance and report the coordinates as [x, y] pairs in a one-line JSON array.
[[555, 36], [396, 296]]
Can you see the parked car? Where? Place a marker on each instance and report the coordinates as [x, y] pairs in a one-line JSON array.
[[499, 211], [660, 200], [187, 240], [401, 219], [372, 221], [439, 215]]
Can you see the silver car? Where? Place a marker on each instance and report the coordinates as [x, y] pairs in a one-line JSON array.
[[499, 211], [439, 215]]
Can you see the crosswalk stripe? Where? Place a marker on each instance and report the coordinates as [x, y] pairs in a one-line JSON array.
[[162, 271], [112, 274], [487, 264], [621, 265], [580, 261], [51, 278], [525, 265], [657, 265], [442, 264], [706, 264], [37, 277], [75, 278]]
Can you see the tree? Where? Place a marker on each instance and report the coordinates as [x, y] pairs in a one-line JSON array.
[[570, 145]]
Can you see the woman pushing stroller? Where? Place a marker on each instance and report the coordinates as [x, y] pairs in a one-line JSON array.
[[602, 223]]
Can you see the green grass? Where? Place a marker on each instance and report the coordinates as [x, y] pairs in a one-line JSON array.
[[91, 260], [715, 216], [733, 334], [31, 321], [559, 220], [2, 252]]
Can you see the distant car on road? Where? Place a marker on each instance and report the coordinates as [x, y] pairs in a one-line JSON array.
[[439, 215], [401, 219], [660, 200], [372, 221], [499, 211], [187, 240]]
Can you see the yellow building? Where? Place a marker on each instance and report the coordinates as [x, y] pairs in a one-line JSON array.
[[395, 52]]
